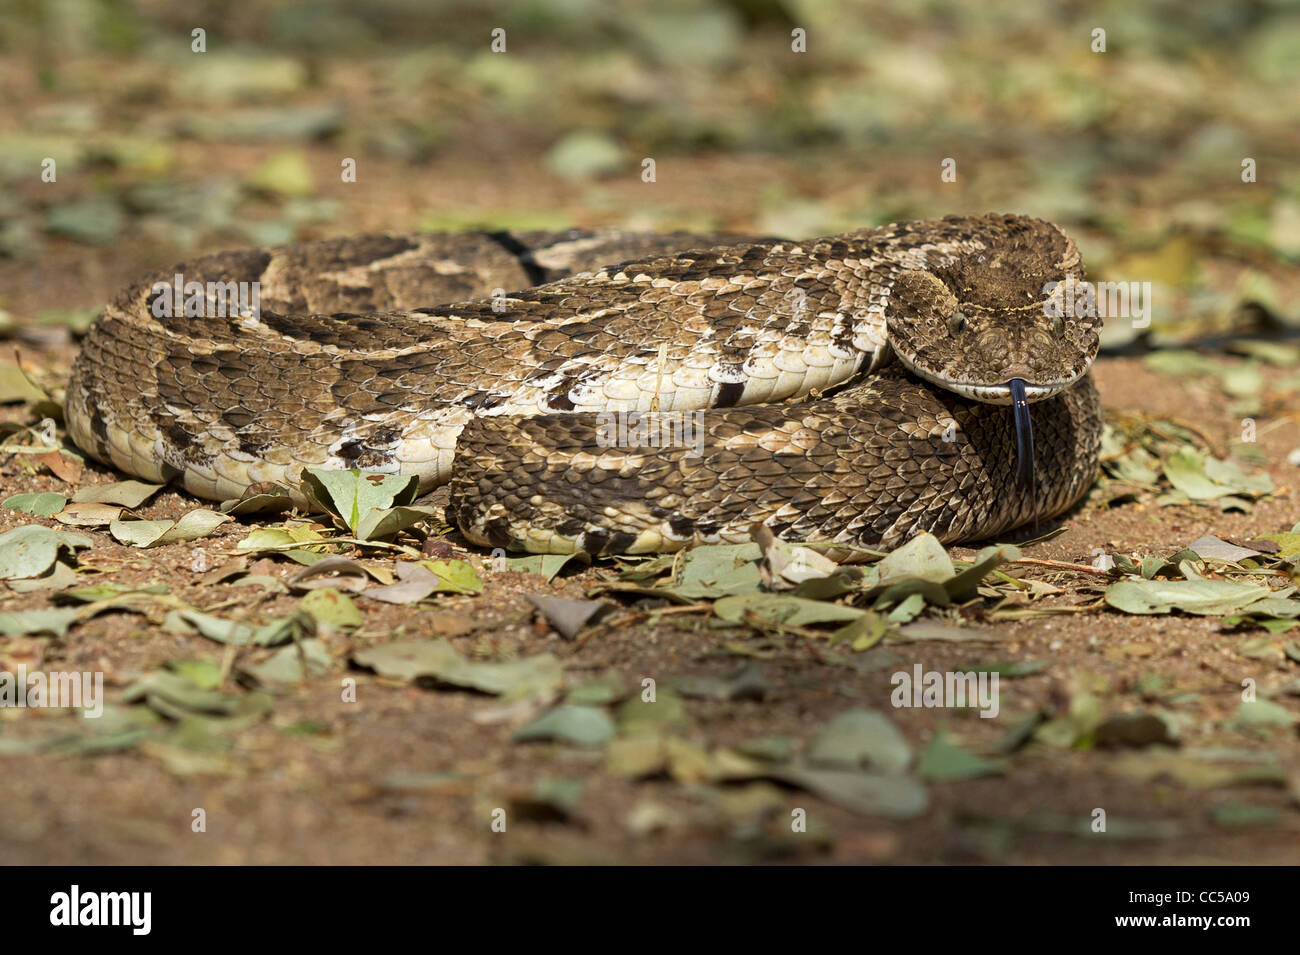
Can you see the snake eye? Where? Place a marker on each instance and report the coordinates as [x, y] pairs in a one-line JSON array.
[[957, 322]]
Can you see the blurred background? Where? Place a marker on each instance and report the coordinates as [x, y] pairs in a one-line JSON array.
[[162, 152]]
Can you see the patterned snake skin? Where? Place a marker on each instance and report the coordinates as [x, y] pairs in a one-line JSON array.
[[850, 390]]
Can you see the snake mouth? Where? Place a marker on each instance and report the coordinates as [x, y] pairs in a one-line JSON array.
[[1006, 394], [1024, 435], [996, 393]]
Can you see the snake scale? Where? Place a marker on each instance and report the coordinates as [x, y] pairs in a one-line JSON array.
[[851, 390]]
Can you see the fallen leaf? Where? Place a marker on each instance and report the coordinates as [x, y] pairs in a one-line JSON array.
[[567, 617], [331, 607], [415, 583], [781, 610], [351, 495], [585, 725], [192, 526], [1197, 595], [455, 576], [295, 663], [747, 683], [30, 550], [438, 662], [875, 794], [89, 514], [547, 565], [861, 736], [42, 505], [1210, 547], [35, 622], [941, 761], [129, 494]]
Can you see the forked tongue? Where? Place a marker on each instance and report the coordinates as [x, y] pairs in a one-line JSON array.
[[1024, 437]]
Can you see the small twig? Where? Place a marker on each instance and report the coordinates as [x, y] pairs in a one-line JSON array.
[[640, 615], [228, 663], [308, 545], [1060, 565], [1210, 444]]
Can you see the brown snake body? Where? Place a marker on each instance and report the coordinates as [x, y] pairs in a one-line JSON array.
[[850, 390]]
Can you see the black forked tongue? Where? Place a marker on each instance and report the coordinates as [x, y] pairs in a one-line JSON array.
[[1024, 436]]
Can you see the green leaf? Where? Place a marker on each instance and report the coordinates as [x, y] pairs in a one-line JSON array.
[[238, 633], [859, 736], [20, 623], [638, 716], [385, 523], [294, 663], [205, 674], [1197, 596], [586, 154], [192, 526], [1077, 727], [31, 550], [585, 725], [941, 761], [781, 610], [1010, 669], [332, 607], [609, 688], [963, 585], [129, 494], [717, 570], [286, 173], [15, 386], [1288, 543], [908, 608], [109, 591], [1261, 713], [863, 633], [1204, 478], [280, 540], [44, 505], [548, 565], [351, 495], [438, 662], [747, 683], [455, 576], [175, 696], [922, 557], [1238, 815], [59, 578], [875, 794]]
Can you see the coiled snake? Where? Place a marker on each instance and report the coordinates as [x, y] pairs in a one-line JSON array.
[[851, 390]]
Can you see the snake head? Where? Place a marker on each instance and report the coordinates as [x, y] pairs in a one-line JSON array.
[[982, 301]]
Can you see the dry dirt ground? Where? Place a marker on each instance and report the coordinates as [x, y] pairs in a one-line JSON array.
[[411, 774]]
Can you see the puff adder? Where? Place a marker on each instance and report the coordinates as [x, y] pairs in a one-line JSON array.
[[617, 392]]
